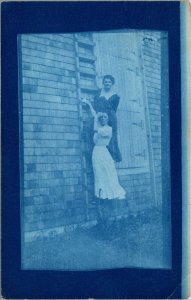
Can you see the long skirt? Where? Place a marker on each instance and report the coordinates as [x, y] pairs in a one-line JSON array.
[[106, 181]]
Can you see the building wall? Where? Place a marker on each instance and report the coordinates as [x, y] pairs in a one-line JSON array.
[[53, 193], [55, 188], [151, 49]]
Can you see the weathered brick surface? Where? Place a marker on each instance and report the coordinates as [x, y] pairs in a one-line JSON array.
[[52, 153], [152, 69]]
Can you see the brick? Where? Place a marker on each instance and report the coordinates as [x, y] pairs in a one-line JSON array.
[[55, 84], [157, 151], [41, 50], [155, 128], [149, 67], [156, 139], [47, 38], [26, 66], [153, 75], [58, 174], [157, 162], [61, 213], [156, 123], [31, 167], [48, 45], [156, 133], [53, 167], [54, 159], [47, 183], [36, 192], [49, 113], [158, 169], [32, 226], [155, 117], [49, 120], [156, 91], [50, 98], [48, 105], [31, 184], [72, 173], [66, 71], [71, 181], [156, 145], [58, 92], [44, 200], [37, 97], [48, 76], [39, 175], [150, 58], [152, 95], [51, 143], [57, 191], [29, 151], [45, 224], [29, 88], [65, 37], [48, 62], [152, 80], [152, 65], [52, 151], [155, 112], [29, 81], [153, 84], [52, 136], [155, 106], [51, 128], [65, 56], [47, 207], [28, 201], [80, 195]]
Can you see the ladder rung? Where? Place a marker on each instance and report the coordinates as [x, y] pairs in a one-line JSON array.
[[86, 88], [89, 72], [85, 42], [86, 57]]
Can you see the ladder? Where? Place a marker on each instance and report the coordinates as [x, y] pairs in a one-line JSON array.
[[86, 88]]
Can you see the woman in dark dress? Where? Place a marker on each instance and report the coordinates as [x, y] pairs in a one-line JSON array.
[[107, 101]]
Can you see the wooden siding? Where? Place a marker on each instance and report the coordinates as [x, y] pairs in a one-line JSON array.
[[121, 59]]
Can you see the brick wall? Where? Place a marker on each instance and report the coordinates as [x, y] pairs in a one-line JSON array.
[[151, 50], [53, 194]]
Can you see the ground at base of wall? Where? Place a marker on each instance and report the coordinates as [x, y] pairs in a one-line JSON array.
[[136, 241]]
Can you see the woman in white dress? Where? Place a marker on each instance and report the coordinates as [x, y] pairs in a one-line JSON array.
[[106, 183]]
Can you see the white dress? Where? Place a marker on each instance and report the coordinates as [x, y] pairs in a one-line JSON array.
[[105, 175]]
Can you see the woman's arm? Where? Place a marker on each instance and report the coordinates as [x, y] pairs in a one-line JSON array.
[[90, 106], [115, 102], [93, 112]]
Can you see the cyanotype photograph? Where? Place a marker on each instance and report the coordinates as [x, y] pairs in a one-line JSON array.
[[94, 150]]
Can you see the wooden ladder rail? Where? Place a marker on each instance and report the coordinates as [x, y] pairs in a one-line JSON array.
[[82, 42]]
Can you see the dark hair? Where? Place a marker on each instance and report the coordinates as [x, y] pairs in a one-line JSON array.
[[109, 77]]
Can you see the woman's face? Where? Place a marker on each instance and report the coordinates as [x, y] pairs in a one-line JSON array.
[[107, 84], [103, 119]]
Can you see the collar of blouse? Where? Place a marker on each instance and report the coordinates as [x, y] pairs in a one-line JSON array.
[[106, 94]]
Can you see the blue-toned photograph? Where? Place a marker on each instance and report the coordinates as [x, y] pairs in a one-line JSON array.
[[94, 150]]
